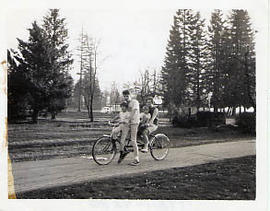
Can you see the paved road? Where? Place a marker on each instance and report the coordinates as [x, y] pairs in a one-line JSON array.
[[33, 175]]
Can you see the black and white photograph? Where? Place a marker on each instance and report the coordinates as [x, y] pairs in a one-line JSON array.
[[135, 104]]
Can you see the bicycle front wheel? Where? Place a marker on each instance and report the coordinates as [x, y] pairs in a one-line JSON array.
[[104, 150], [159, 146]]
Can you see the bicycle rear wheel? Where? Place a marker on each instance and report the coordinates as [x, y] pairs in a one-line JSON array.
[[104, 150], [159, 146]]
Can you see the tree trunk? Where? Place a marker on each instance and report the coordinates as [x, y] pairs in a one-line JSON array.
[[91, 109], [35, 115], [251, 100], [91, 113], [233, 111], [53, 115], [228, 110]]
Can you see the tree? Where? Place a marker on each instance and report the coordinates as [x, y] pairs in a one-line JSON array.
[[175, 71], [83, 55], [88, 83], [43, 62], [114, 95], [242, 60], [172, 71], [156, 80], [197, 61], [144, 85], [148, 85], [17, 89], [216, 67], [104, 98], [222, 66], [35, 64], [57, 34]]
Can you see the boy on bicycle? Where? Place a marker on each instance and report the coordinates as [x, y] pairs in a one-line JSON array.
[[123, 127]]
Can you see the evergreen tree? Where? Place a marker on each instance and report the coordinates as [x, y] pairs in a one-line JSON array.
[[197, 60], [218, 52], [42, 62], [17, 92], [57, 35], [174, 71], [241, 61], [36, 64]]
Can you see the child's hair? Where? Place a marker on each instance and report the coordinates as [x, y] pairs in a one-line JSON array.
[[124, 104], [150, 98], [126, 92]]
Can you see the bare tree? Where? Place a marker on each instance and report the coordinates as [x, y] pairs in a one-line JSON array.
[[89, 85], [82, 55], [114, 95], [149, 84]]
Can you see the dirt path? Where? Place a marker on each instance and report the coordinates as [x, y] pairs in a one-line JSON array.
[[32, 175]]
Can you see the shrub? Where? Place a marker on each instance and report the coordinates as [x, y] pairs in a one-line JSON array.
[[201, 119], [183, 121], [209, 119], [247, 122], [18, 111]]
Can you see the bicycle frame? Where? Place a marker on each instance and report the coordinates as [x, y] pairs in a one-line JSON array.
[[107, 151]]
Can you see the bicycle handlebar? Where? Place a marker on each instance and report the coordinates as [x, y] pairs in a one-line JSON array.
[[112, 124]]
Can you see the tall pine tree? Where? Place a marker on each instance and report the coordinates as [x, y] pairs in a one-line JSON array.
[[197, 61], [43, 62], [241, 61], [215, 70], [35, 63], [175, 69], [57, 35]]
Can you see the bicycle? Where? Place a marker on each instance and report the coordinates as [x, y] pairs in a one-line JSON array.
[[105, 148]]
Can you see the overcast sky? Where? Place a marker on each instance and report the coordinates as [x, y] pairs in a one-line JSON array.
[[131, 40]]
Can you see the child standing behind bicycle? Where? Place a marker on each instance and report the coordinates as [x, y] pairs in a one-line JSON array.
[[123, 127]]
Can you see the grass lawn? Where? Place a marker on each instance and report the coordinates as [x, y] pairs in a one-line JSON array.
[[59, 139], [181, 137], [230, 179]]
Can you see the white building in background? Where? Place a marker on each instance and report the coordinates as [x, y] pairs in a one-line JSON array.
[[111, 108], [105, 109]]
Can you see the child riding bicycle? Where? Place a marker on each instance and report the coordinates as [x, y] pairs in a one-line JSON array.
[[151, 125], [123, 127], [144, 119]]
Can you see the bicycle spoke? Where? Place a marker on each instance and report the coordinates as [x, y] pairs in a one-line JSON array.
[[103, 151], [159, 147]]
